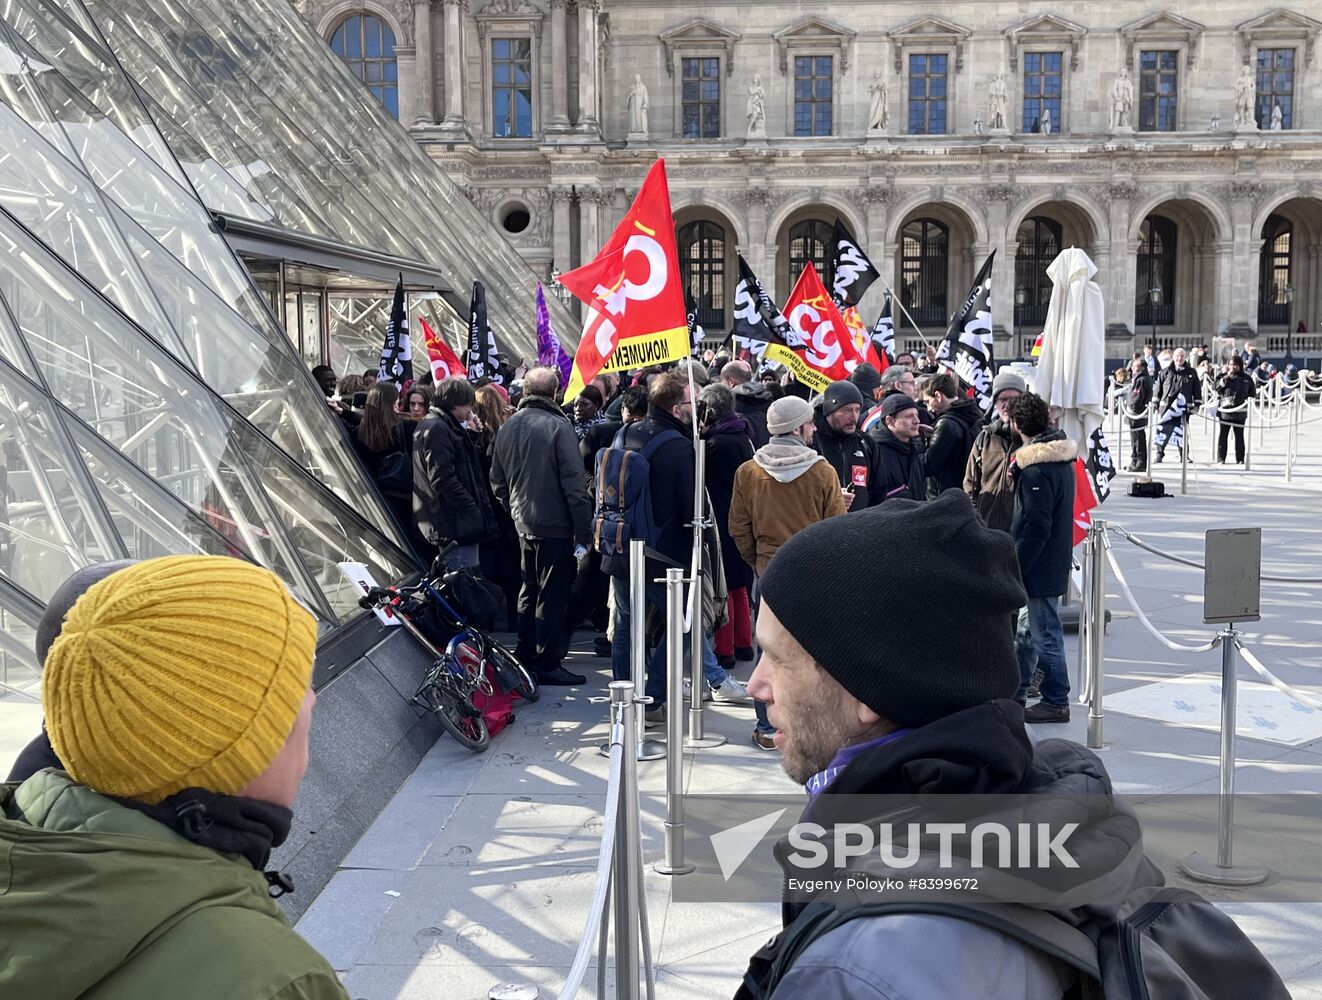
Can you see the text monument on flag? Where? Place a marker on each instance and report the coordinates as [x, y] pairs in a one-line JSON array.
[[633, 293]]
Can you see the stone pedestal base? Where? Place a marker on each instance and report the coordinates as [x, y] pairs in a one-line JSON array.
[[452, 131], [638, 139], [999, 133]]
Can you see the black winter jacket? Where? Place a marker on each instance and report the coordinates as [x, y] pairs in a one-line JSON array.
[[1043, 526], [451, 501], [854, 458], [728, 447], [751, 401], [537, 473], [1140, 396], [1233, 391], [900, 469], [1174, 382], [952, 440], [671, 480]]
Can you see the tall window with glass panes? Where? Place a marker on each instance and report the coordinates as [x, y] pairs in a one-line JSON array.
[[511, 88], [700, 102], [1042, 90]]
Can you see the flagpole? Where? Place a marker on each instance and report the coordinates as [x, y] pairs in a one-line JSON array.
[[896, 299]]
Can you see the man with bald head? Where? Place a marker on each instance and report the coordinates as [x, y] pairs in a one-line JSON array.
[[537, 474]]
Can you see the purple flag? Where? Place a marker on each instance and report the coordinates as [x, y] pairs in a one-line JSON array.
[[549, 351]]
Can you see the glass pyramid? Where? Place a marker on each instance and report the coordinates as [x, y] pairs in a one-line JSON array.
[[149, 401]]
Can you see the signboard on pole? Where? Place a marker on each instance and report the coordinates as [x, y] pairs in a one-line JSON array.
[[1232, 575]]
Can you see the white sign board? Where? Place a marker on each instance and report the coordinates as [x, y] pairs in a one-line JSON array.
[[357, 574]]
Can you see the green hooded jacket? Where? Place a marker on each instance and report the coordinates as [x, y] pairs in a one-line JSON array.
[[100, 902]]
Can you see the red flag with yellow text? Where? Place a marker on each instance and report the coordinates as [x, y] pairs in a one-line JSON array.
[[818, 332], [635, 300]]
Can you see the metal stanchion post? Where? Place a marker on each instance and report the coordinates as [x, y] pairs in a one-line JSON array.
[[1292, 436], [673, 862], [697, 678], [1224, 872], [1083, 674], [1152, 436], [1096, 630], [646, 749], [624, 874], [1248, 434], [1184, 454]]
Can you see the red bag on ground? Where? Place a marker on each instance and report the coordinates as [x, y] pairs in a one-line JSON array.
[[497, 708]]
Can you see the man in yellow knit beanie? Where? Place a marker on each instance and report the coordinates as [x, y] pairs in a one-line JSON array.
[[178, 699]]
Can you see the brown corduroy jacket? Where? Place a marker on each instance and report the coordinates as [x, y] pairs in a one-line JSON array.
[[766, 511]]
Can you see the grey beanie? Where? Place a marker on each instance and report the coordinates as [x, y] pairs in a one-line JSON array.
[[1007, 378], [840, 394], [787, 415], [970, 581]]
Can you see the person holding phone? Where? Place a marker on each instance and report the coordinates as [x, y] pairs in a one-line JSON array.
[[900, 468]]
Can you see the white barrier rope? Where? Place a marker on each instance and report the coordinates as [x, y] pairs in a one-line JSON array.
[[601, 889], [1178, 647], [1135, 540], [1275, 681]]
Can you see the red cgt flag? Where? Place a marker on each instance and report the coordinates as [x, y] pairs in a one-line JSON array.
[[823, 337], [444, 362], [636, 314], [1084, 501]]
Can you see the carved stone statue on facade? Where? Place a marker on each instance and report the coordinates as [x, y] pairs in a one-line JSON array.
[[638, 107], [878, 110], [757, 108], [998, 103], [1278, 118], [1244, 94], [1045, 126], [1122, 101]]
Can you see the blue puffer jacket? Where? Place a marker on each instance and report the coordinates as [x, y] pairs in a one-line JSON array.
[[1043, 525]]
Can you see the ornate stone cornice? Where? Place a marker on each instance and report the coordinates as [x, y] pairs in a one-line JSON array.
[[1245, 190], [877, 194], [1121, 192]]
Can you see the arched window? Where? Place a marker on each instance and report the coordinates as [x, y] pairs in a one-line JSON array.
[[1156, 273], [1039, 244], [1275, 283], [367, 45], [924, 271], [702, 263], [811, 241]]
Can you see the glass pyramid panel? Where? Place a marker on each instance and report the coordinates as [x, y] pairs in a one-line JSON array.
[[20, 676], [197, 63], [84, 87], [55, 199], [258, 69], [149, 519], [48, 519], [261, 380], [163, 419], [45, 193]]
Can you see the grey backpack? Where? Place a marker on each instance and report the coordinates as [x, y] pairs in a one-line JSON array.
[[1165, 944]]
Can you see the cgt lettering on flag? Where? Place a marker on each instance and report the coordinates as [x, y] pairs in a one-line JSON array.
[[632, 289], [817, 331]]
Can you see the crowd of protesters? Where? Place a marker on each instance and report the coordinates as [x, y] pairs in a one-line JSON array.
[[508, 472]]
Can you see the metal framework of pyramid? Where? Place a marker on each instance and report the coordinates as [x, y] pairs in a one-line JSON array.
[[149, 401]]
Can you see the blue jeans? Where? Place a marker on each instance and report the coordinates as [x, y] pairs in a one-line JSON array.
[[655, 687], [1039, 641]]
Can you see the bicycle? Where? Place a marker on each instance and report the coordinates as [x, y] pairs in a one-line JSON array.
[[460, 670]]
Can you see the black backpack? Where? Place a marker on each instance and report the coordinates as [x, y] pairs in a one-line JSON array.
[[1166, 944], [624, 495]]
